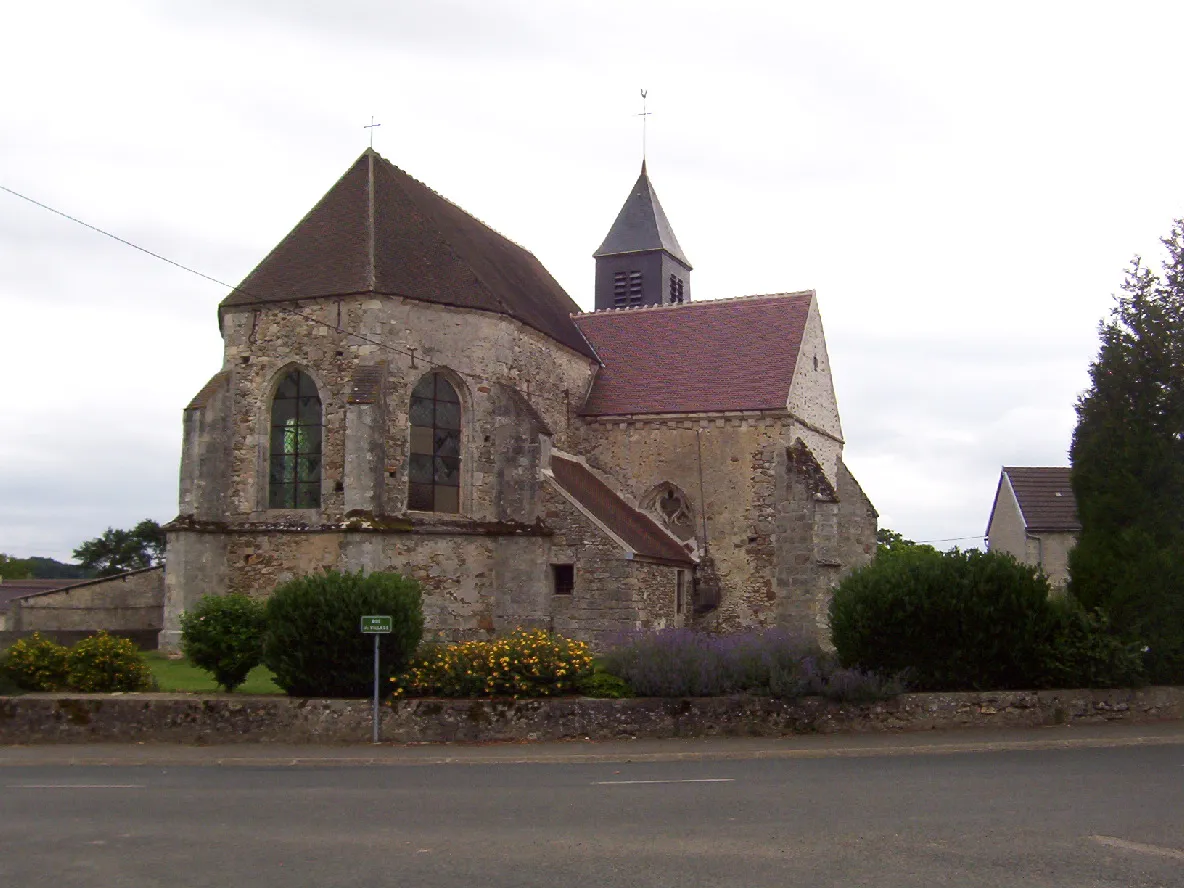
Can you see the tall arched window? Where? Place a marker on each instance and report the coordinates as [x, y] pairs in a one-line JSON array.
[[295, 471], [434, 473]]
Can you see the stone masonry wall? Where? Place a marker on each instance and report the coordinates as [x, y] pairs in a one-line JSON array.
[[233, 718], [611, 595], [812, 398], [481, 353], [126, 604], [777, 548], [475, 581]]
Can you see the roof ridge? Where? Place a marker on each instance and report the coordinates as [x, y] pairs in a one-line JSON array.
[[699, 303], [452, 203]]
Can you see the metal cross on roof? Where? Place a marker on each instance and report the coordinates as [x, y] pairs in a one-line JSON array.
[[643, 115], [371, 127]]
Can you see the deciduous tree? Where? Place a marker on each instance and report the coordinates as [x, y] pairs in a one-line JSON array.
[[117, 551]]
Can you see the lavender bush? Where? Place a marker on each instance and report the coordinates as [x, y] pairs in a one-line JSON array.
[[775, 662]]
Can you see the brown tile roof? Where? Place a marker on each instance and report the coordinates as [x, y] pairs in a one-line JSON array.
[[380, 231], [1045, 497], [733, 354], [637, 529]]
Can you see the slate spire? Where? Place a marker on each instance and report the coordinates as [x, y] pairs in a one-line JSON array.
[[640, 261]]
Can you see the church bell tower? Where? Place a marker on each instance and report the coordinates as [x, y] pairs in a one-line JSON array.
[[640, 261]]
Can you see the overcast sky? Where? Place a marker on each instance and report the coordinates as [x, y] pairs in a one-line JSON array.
[[963, 185]]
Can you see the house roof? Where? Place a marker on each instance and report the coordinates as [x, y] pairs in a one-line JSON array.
[[700, 357], [640, 532], [641, 226], [380, 231], [1045, 498]]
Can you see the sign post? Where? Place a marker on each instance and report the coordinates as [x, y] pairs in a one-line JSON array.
[[376, 625]]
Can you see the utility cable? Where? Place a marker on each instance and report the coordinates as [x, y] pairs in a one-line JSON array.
[[429, 364]]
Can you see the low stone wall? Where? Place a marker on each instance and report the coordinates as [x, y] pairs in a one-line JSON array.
[[80, 718]]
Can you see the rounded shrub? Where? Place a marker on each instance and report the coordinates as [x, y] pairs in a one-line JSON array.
[[946, 620], [36, 663], [104, 663], [223, 634], [526, 663], [313, 642]]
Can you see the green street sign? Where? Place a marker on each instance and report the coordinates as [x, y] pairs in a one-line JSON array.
[[377, 625]]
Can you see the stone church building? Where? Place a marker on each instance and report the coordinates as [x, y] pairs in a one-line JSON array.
[[405, 389]]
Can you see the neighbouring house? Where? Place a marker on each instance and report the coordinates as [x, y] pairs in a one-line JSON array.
[[129, 604], [405, 389], [1034, 518]]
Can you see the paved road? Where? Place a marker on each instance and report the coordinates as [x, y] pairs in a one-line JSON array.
[[1106, 812]]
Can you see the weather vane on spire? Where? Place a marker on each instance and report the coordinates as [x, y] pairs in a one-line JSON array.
[[371, 127], [643, 115]]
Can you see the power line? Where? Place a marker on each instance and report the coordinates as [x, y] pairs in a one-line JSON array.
[[977, 536], [409, 353]]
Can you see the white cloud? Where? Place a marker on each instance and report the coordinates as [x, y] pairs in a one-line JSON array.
[[962, 185]]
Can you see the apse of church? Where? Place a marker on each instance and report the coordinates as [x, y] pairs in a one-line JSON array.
[[405, 389]]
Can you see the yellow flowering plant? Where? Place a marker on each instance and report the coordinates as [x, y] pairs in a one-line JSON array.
[[525, 663], [103, 663], [36, 663]]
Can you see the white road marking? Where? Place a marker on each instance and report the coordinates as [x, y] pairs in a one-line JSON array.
[[635, 782], [77, 786], [1157, 850]]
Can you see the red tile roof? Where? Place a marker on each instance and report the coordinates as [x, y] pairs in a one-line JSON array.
[[733, 354], [637, 529], [1045, 497], [380, 231]]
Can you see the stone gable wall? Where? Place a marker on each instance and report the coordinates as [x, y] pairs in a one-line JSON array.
[[779, 542], [1006, 533], [612, 595], [812, 398]]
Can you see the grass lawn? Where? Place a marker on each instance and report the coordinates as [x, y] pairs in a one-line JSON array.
[[183, 676]]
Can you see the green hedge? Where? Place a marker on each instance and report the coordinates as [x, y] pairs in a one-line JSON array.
[[972, 621], [314, 644]]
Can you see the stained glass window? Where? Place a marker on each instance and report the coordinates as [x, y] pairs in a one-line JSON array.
[[294, 480], [434, 470]]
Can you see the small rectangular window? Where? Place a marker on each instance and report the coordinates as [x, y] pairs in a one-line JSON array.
[[680, 603], [563, 578]]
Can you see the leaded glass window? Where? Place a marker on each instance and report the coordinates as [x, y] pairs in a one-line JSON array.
[[295, 465], [434, 472]]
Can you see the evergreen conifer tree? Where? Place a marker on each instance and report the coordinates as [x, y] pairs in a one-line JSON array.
[[1128, 465]]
